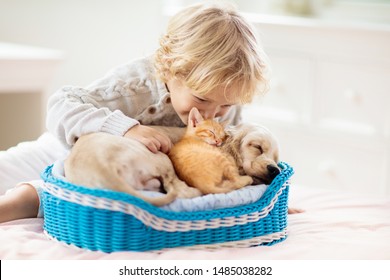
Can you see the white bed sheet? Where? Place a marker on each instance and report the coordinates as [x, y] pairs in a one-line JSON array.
[[335, 225]]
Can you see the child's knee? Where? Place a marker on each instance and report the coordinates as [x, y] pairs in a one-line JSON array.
[[28, 190], [18, 203], [25, 195]]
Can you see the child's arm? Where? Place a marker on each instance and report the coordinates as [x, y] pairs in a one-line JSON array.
[[73, 112], [113, 104]]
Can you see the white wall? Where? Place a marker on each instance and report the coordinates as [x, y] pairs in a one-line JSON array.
[[95, 35]]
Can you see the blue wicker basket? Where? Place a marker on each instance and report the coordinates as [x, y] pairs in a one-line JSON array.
[[111, 221]]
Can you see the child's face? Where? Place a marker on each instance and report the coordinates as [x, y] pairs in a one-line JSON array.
[[212, 105]]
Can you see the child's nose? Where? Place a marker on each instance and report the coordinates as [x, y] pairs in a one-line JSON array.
[[210, 114]]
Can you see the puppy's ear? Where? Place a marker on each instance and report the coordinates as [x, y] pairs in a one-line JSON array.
[[194, 117], [276, 156]]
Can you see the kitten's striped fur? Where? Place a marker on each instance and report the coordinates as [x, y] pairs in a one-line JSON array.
[[200, 163]]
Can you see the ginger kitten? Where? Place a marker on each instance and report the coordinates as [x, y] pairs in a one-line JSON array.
[[199, 162]]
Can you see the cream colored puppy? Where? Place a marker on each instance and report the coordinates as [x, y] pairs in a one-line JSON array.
[[255, 150], [103, 160]]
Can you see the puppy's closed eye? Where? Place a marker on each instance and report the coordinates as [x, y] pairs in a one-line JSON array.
[[257, 147]]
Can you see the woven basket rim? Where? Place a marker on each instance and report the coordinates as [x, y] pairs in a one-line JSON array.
[[271, 192]]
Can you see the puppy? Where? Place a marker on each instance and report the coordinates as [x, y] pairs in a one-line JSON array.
[[255, 150], [103, 160]]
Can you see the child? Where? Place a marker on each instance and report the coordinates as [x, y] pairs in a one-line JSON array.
[[209, 58]]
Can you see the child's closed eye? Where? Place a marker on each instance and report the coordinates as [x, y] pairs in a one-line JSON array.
[[200, 100]]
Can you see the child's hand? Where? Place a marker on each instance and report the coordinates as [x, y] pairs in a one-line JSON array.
[[153, 139]]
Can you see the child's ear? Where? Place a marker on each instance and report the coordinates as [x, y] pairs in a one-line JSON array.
[[194, 117]]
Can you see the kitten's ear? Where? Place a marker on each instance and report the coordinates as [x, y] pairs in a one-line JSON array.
[[194, 117]]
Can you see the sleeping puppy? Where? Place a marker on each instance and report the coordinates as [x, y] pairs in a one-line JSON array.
[[102, 160], [255, 151]]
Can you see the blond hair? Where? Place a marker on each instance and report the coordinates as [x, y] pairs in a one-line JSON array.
[[210, 45]]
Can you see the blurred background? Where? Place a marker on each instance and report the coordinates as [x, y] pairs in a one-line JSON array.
[[329, 61]]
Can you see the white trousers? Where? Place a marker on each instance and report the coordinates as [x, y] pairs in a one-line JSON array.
[[26, 161]]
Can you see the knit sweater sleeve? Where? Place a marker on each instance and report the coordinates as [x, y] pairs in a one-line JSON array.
[[108, 105]]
